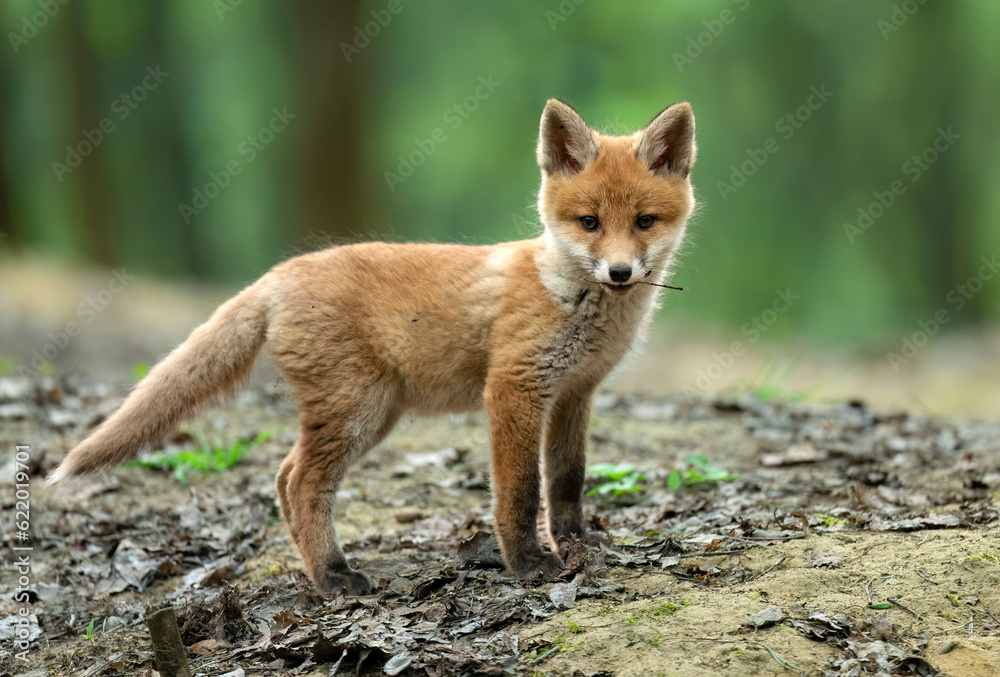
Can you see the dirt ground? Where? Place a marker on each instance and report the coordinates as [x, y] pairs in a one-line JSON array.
[[832, 504], [785, 569]]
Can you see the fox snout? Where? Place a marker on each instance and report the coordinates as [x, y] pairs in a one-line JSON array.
[[620, 272]]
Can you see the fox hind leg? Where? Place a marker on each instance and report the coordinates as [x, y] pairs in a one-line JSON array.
[[330, 440], [281, 482]]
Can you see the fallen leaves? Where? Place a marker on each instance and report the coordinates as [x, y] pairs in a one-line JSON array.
[[444, 604]]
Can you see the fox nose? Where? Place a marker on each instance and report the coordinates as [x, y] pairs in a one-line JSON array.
[[620, 272]]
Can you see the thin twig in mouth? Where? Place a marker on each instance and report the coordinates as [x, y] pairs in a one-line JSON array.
[[665, 286]]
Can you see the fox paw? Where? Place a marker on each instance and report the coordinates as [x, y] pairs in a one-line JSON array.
[[349, 582], [540, 566]]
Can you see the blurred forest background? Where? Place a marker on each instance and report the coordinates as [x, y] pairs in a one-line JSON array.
[[209, 139]]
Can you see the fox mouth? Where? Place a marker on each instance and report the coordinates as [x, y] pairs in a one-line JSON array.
[[617, 289]]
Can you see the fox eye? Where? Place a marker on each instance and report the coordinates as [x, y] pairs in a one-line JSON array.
[[589, 223], [645, 221]]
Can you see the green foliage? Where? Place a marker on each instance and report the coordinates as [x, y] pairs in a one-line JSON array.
[[6, 366], [620, 480], [768, 385], [139, 370], [90, 630], [226, 75], [674, 480], [831, 520], [699, 473], [208, 458]]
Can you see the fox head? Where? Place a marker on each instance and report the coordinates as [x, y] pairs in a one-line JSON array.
[[615, 207]]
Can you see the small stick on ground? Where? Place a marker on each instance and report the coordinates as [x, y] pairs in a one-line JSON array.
[[985, 607], [770, 568], [868, 591], [169, 652], [947, 648], [713, 553], [947, 630], [904, 607], [924, 575]]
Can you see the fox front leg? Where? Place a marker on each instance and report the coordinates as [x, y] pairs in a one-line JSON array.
[[516, 412], [565, 462]]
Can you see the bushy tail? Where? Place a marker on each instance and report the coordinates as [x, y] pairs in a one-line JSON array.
[[217, 356]]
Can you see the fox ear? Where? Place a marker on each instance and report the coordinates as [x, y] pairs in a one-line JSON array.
[[667, 145], [565, 142]]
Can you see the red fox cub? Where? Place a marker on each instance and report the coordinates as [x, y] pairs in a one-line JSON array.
[[366, 332]]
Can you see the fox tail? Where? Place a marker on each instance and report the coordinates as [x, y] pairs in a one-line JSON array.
[[210, 363]]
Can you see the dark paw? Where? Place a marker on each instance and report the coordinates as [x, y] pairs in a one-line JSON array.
[[348, 582], [540, 566]]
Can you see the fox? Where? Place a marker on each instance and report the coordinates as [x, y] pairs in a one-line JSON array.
[[526, 330]]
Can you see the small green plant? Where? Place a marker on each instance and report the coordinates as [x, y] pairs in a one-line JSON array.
[[139, 370], [620, 480], [768, 385], [698, 473], [90, 630], [831, 520], [209, 458], [558, 645], [574, 628]]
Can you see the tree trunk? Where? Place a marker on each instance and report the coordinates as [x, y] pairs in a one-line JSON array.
[[89, 178], [329, 173]]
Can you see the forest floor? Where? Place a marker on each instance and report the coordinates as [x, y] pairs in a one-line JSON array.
[[819, 513], [787, 568]]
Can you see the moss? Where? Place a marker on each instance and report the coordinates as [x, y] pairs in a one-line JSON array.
[[656, 611]]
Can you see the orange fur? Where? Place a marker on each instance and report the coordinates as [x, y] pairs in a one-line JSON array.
[[527, 329]]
